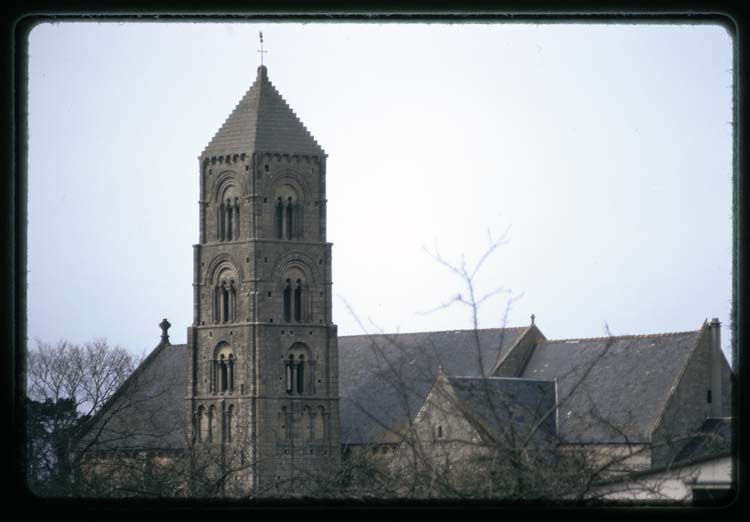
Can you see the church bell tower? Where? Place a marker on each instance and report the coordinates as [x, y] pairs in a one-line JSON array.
[[263, 387]]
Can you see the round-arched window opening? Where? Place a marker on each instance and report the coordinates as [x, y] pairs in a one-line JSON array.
[[228, 213], [288, 213], [223, 369], [299, 370], [225, 294]]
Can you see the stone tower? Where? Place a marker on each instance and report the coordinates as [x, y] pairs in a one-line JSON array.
[[263, 386]]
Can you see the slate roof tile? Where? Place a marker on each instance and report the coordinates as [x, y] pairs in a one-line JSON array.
[[509, 409], [602, 383], [263, 121], [611, 389], [384, 378], [149, 410]]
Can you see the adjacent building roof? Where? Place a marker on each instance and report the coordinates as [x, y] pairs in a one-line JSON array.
[[611, 389], [384, 379], [263, 121], [511, 411], [149, 409]]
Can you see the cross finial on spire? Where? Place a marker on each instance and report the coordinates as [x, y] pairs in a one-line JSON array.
[[532, 318], [261, 51]]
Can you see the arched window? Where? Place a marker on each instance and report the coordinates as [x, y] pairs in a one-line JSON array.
[[236, 218], [288, 301], [290, 374], [223, 369], [299, 370], [287, 219], [298, 301], [217, 304], [301, 373], [224, 302], [220, 219], [225, 295], [211, 420], [232, 302], [201, 424], [230, 373], [293, 298], [228, 426], [228, 213], [279, 220], [222, 374], [289, 224], [298, 226]]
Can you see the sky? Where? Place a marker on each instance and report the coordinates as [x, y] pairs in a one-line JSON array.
[[600, 154]]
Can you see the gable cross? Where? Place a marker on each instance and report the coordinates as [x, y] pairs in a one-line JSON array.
[[164, 325]]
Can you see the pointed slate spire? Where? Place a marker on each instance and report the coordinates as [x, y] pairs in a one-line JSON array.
[[263, 122]]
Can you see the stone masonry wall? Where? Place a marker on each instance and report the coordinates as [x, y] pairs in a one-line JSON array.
[[688, 407]]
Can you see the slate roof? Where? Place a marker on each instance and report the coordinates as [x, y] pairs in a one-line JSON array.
[[508, 409], [713, 439], [263, 121], [384, 378], [611, 389], [149, 409], [602, 385]]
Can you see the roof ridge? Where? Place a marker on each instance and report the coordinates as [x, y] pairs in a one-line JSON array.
[[435, 331], [498, 378], [626, 336]]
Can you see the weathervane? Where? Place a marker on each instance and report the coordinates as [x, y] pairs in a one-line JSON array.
[[261, 51]]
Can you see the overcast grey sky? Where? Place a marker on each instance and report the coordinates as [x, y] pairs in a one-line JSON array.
[[605, 151]]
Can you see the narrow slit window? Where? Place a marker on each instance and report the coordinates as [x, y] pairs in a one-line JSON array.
[[220, 219], [223, 374], [289, 374], [236, 219], [288, 301], [230, 414], [298, 301], [225, 303], [289, 218], [301, 374], [279, 218], [228, 232]]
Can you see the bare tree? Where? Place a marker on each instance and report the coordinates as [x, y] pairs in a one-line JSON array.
[[499, 446], [475, 436], [66, 384]]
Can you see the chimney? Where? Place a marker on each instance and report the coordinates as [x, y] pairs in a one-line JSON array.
[[716, 366]]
